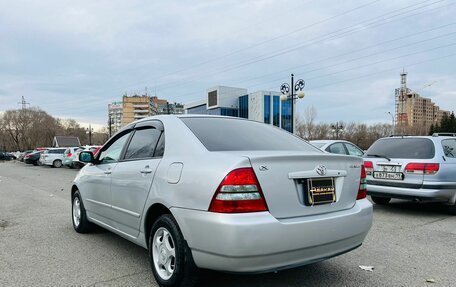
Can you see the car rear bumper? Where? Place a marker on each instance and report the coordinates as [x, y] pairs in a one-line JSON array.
[[438, 191], [258, 242]]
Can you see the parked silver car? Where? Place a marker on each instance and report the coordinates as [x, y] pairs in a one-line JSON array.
[[52, 157], [338, 147], [221, 193], [412, 167]]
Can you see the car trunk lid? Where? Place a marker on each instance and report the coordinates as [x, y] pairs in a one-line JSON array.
[[284, 180]]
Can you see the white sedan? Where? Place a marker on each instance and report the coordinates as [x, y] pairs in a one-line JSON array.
[[221, 193]]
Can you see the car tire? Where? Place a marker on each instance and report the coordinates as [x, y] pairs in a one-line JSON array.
[[78, 214], [35, 163], [452, 209], [57, 163], [381, 200], [170, 258]]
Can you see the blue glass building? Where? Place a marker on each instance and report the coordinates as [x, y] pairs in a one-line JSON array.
[[262, 106]]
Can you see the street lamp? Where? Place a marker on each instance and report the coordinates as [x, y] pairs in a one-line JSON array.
[[89, 131], [291, 94], [337, 128], [392, 121]]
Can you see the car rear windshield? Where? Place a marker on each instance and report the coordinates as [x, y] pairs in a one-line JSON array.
[[225, 134], [413, 148]]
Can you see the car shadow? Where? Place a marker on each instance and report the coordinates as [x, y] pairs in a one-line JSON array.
[[407, 207]]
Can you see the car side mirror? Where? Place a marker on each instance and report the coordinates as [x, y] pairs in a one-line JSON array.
[[86, 157]]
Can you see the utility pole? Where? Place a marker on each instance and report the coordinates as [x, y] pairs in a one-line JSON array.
[[392, 122]]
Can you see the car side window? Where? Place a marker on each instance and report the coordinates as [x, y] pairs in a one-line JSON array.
[[337, 148], [113, 152], [143, 144], [160, 149], [449, 147], [353, 150]]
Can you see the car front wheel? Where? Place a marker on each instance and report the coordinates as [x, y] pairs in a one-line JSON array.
[[381, 200], [170, 258], [78, 214]]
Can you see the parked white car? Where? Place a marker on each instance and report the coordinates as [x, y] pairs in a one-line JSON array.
[[221, 193], [338, 147], [52, 157], [70, 155]]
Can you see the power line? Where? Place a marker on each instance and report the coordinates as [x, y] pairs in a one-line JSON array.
[[355, 28], [426, 11], [357, 51]]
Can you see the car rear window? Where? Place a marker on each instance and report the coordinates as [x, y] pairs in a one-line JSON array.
[[412, 148], [225, 134]]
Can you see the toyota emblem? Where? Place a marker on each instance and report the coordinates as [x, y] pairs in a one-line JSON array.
[[321, 170]]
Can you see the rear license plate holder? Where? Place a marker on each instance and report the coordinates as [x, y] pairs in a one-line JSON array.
[[318, 191], [388, 175]]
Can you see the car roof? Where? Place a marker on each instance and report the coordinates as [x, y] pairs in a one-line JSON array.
[[328, 141]]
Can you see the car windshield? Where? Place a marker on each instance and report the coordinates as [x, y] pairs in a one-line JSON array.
[[412, 148], [225, 134]]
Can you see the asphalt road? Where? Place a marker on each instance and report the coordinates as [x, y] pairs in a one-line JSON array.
[[408, 244]]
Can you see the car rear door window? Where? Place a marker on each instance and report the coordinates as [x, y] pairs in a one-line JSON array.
[[449, 147], [143, 144], [337, 148], [407, 148]]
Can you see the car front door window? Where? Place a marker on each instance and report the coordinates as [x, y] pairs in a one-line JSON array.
[[113, 152]]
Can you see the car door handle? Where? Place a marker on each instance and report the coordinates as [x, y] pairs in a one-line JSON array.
[[107, 172], [146, 170]]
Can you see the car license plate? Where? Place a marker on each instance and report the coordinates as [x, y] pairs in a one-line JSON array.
[[388, 175], [390, 168], [319, 191]]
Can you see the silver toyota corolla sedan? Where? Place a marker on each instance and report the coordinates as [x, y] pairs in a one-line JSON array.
[[221, 193]]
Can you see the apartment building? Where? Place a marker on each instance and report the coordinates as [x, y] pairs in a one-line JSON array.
[[413, 110], [115, 111], [135, 108]]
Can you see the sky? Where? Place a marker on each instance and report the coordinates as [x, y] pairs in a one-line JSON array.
[[72, 58]]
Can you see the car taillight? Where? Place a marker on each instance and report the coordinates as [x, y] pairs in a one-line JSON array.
[[239, 192], [369, 167], [362, 191], [69, 154], [422, 168]]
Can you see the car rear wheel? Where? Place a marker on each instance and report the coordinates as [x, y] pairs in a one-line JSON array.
[[57, 163], [452, 209], [78, 215], [170, 258], [381, 200]]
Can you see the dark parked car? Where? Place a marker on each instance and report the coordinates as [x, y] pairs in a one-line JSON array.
[[6, 156], [32, 158], [23, 154]]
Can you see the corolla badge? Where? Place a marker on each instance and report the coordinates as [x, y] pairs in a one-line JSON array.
[[321, 170]]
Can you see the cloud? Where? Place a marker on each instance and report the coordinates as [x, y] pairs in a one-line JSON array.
[[73, 58]]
